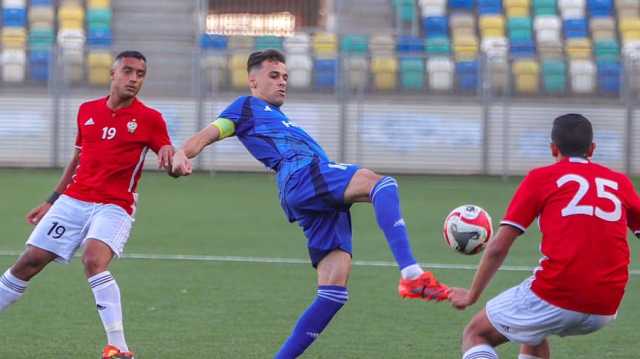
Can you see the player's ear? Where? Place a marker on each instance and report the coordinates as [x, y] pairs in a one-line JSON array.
[[592, 147], [555, 151]]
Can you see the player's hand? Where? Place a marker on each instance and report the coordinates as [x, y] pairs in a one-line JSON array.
[[181, 165], [35, 215], [165, 157], [460, 298]]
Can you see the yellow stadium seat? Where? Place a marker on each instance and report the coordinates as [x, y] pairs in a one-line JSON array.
[[99, 68], [517, 8], [244, 43], [578, 49], [384, 72], [14, 37], [71, 17], [492, 26], [526, 73], [238, 69], [465, 48], [98, 4], [325, 44]]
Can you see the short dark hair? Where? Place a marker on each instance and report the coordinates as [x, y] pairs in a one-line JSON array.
[[257, 58], [573, 134], [132, 54]]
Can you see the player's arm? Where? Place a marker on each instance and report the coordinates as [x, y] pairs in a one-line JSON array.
[[492, 259], [218, 130], [37, 213]]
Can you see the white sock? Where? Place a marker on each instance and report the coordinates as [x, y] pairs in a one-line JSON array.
[[11, 289], [527, 356], [107, 294], [482, 351], [411, 272]]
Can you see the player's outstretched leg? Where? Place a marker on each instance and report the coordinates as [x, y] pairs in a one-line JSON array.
[[332, 294], [13, 283], [383, 194], [106, 292]]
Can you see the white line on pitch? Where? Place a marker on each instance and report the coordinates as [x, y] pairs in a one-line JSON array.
[[196, 258]]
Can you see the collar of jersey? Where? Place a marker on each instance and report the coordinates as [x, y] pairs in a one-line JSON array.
[[127, 109]]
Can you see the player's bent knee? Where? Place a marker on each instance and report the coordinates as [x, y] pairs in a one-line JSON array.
[[94, 263]]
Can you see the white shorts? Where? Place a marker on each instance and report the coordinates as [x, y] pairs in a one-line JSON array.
[[70, 222], [523, 317]]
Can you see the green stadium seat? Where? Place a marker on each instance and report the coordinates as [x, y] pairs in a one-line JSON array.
[[269, 42], [554, 76], [544, 7], [412, 73], [354, 44], [607, 50], [520, 28], [438, 46]]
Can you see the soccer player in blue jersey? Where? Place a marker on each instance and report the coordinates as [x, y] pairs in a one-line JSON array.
[[315, 192]]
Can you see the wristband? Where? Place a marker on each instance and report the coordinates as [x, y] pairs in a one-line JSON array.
[[54, 197]]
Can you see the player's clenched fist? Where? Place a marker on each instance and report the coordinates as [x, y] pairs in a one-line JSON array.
[[34, 216], [181, 165], [459, 298]]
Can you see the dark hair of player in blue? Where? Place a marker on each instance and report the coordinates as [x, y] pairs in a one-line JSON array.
[[573, 134], [131, 54], [257, 58]]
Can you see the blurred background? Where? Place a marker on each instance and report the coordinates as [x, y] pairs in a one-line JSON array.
[[405, 86]]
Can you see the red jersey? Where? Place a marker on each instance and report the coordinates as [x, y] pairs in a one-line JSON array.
[[584, 210], [113, 145]]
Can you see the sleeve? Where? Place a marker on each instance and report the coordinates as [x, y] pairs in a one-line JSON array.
[[525, 204], [159, 135], [78, 143], [233, 120], [632, 202]]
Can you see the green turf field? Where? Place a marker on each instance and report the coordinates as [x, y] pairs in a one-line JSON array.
[[220, 309]]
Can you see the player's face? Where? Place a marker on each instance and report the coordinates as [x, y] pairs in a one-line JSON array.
[[127, 77], [270, 82]]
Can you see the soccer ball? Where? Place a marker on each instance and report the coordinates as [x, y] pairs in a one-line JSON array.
[[467, 229]]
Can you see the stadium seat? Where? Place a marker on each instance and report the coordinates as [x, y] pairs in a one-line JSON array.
[[214, 66], [609, 76], [407, 44], [438, 46], [357, 72], [71, 17], [99, 63], [299, 43], [495, 47], [547, 28], [517, 8], [354, 45], [325, 44], [578, 49], [627, 8], [244, 44], [99, 4], [213, 42], [629, 29], [384, 72], [14, 4], [435, 26], [440, 71], [575, 28], [412, 73], [551, 50], [600, 7], [13, 38], [39, 61], [433, 8], [492, 26], [405, 10], [325, 73], [554, 76], [14, 17], [299, 67], [238, 70], [520, 28], [526, 74], [467, 76], [522, 49], [269, 42], [41, 16], [544, 7], [607, 50], [603, 28], [582, 76], [13, 65], [466, 5], [42, 2], [99, 38], [572, 9], [462, 25], [41, 38], [382, 45], [99, 18], [465, 48], [489, 7]]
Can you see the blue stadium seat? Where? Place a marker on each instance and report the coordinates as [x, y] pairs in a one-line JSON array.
[[608, 77], [600, 7], [522, 49], [409, 44], [42, 2], [325, 73], [39, 65], [467, 75], [466, 5], [14, 17], [575, 28], [100, 37], [435, 26], [488, 7], [213, 42]]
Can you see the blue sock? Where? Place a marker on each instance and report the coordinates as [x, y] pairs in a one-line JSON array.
[[386, 203], [328, 302]]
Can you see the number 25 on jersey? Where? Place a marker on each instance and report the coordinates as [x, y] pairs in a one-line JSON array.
[[602, 186]]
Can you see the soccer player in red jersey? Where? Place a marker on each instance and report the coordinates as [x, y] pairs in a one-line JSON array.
[[94, 202], [584, 210]]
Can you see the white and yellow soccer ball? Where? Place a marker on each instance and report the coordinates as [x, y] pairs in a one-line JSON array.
[[467, 229]]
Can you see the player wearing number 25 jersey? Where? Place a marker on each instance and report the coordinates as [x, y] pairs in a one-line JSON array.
[[583, 210], [94, 201]]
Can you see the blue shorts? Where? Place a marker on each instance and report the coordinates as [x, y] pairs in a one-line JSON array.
[[314, 197]]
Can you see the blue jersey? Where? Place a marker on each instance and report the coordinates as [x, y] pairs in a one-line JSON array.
[[270, 137]]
